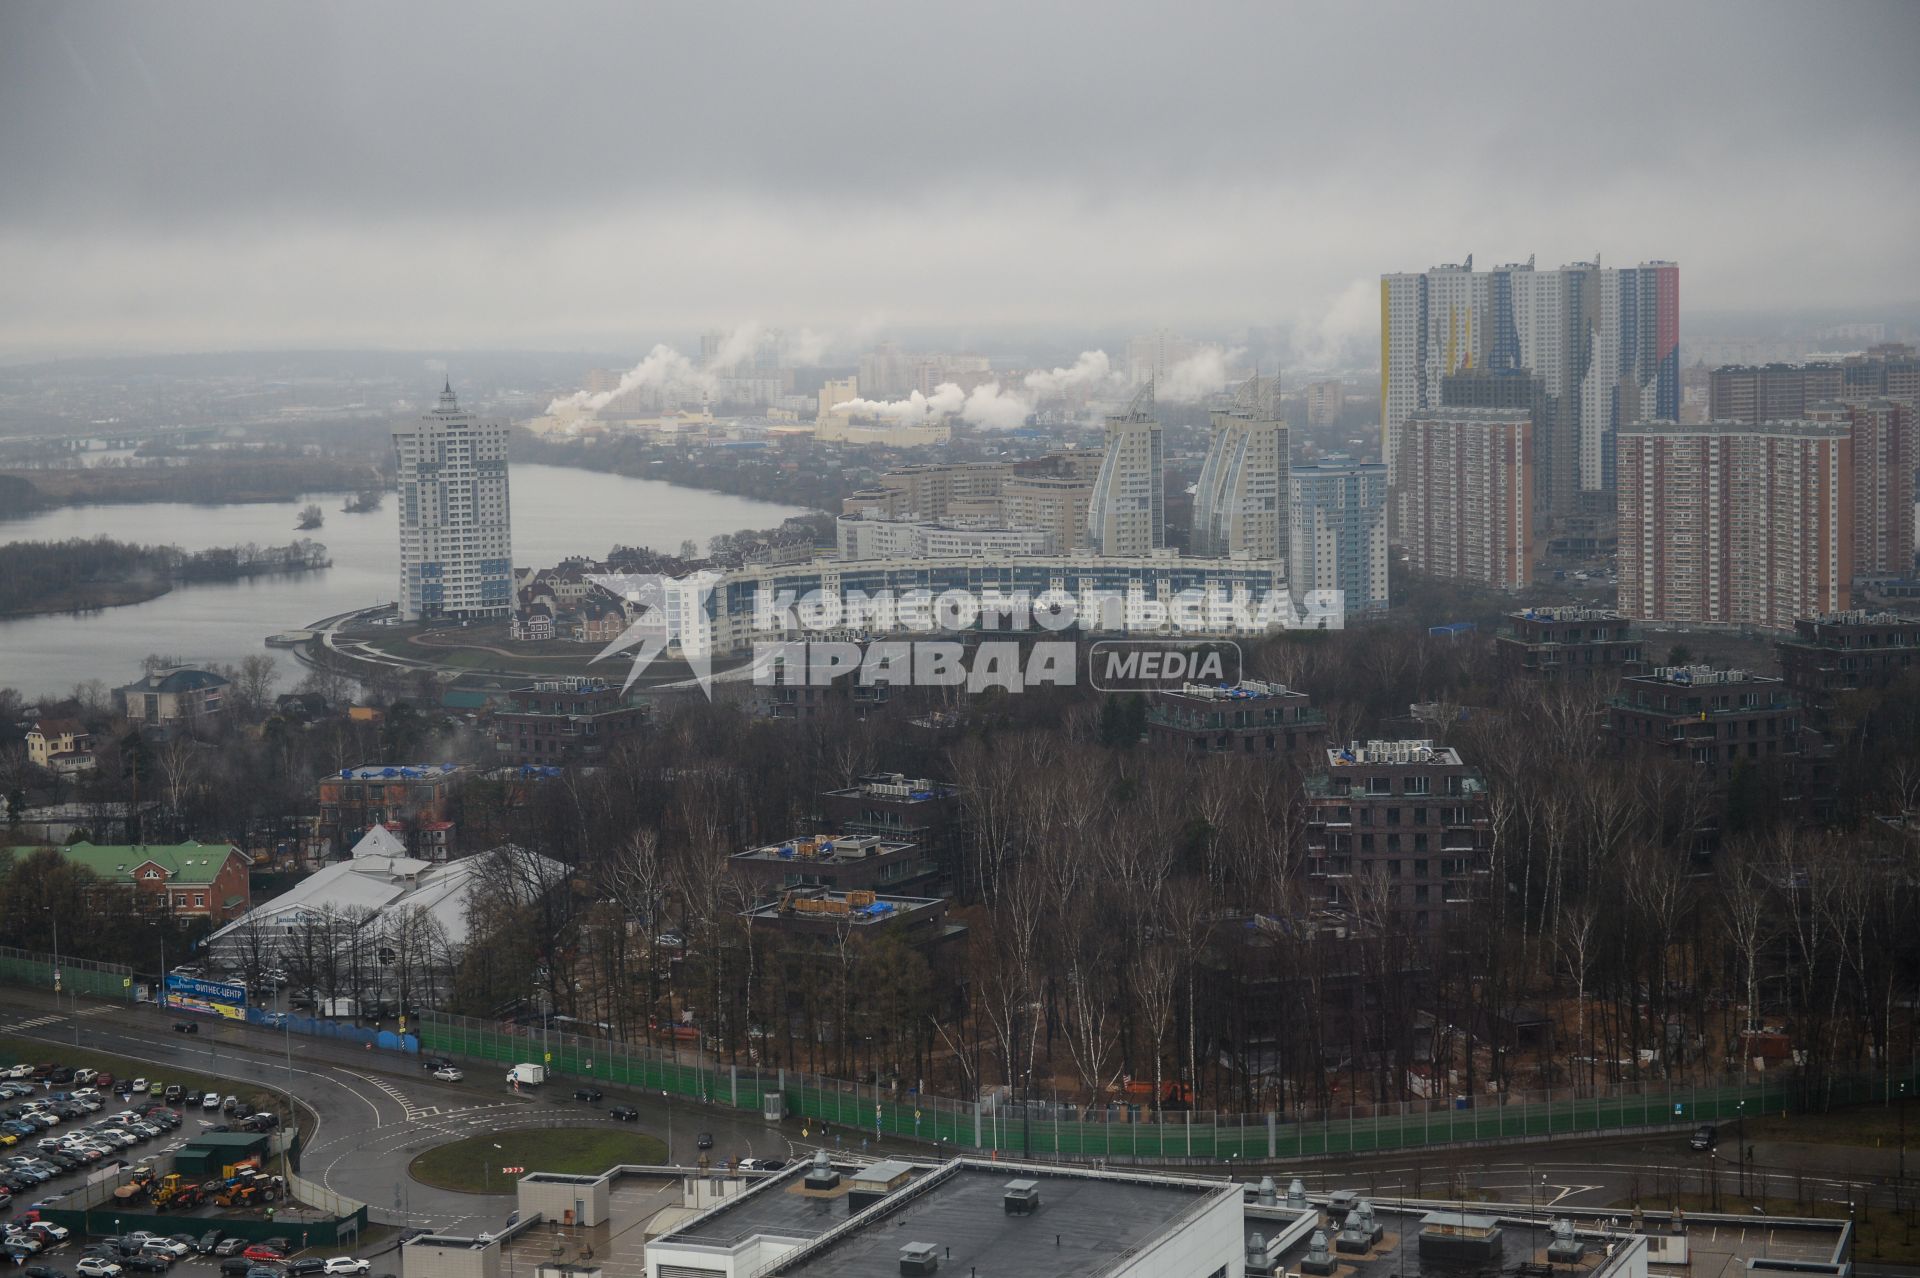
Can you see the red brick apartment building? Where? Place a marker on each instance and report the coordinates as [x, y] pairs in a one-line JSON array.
[[1734, 523]]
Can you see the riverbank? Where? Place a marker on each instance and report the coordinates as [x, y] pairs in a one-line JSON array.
[[222, 482], [87, 575]]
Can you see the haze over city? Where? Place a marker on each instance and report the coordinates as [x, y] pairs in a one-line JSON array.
[[206, 176]]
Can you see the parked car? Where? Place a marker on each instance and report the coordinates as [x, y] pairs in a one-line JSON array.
[[210, 1101], [186, 1027], [149, 1260], [43, 1271], [312, 1265], [260, 1251], [139, 1084], [174, 1094], [97, 1267], [235, 1267], [347, 1265], [230, 1246], [207, 1242], [49, 1231], [448, 1074], [1706, 1136], [587, 1093], [624, 1114]]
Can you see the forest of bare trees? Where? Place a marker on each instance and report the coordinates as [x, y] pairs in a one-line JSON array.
[[1137, 924]]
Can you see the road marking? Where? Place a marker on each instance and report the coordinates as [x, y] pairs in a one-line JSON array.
[[412, 1112], [36, 1023], [108, 1010]]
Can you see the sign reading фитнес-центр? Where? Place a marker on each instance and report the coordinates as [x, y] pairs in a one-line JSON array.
[[211, 998]]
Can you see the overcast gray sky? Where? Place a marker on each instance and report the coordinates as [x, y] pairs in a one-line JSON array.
[[186, 176]]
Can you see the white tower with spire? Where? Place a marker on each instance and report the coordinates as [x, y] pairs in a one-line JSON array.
[[456, 535]]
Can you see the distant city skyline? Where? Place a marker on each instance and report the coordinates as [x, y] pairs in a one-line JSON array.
[[207, 176]]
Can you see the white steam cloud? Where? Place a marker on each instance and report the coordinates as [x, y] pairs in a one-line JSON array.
[[678, 376], [986, 405], [1198, 375], [663, 367], [1092, 374]]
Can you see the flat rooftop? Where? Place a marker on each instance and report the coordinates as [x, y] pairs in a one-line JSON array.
[[1714, 1250], [825, 849], [1096, 1218], [1700, 677], [1245, 690], [782, 1207], [858, 909]]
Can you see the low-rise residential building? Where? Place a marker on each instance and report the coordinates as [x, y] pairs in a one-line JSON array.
[[176, 694], [1719, 720], [564, 721], [402, 797], [1251, 717], [1396, 825], [841, 863], [828, 918], [926, 813], [185, 880], [1569, 643], [1844, 652], [63, 746]]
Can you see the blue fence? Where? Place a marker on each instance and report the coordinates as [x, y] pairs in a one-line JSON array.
[[344, 1031]]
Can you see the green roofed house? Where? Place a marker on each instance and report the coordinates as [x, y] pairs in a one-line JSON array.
[[208, 879]]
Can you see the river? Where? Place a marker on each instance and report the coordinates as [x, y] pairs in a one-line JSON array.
[[557, 511]]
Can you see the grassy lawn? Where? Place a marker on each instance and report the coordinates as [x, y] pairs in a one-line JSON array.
[[1884, 1231], [36, 1051], [473, 1165]]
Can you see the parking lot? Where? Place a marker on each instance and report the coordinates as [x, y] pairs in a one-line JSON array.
[[64, 1126]]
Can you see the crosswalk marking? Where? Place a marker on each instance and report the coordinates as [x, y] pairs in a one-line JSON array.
[[412, 1112]]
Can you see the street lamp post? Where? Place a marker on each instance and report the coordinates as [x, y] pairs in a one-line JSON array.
[[1903, 1137]]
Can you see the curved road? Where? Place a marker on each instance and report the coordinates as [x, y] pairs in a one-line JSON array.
[[373, 1111]]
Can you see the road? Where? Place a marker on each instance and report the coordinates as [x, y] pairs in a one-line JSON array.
[[372, 1111]]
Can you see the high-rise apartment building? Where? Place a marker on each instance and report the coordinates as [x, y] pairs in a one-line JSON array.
[[1603, 342], [1784, 392], [1467, 495], [1240, 503], [1337, 532], [1735, 523], [1885, 434], [1151, 356], [456, 542], [1325, 400], [1052, 493], [1127, 512]]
